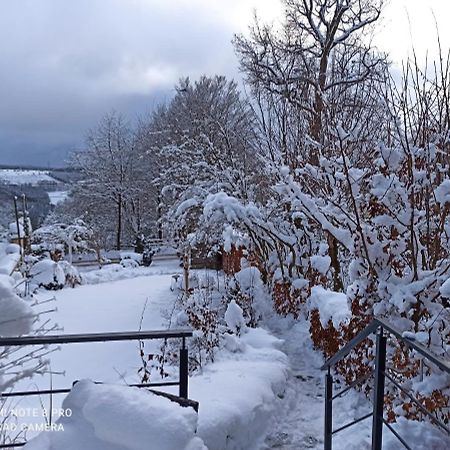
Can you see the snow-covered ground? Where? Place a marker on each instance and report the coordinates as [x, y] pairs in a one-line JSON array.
[[239, 393], [32, 177], [264, 390], [300, 425], [57, 196], [9, 257]]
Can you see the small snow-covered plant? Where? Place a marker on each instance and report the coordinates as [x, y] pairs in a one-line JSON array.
[[234, 318], [203, 314], [247, 290]]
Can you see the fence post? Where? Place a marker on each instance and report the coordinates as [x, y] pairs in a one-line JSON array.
[[378, 396], [328, 410], [184, 370]]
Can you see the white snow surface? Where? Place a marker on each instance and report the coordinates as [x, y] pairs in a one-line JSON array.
[[331, 305], [16, 316], [239, 393], [18, 177], [321, 263], [47, 272], [111, 417], [57, 197], [234, 317], [9, 257]]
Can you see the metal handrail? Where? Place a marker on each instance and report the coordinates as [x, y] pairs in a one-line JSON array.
[[371, 329], [23, 341], [376, 326]]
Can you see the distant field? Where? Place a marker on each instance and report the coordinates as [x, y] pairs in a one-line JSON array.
[[20, 176]]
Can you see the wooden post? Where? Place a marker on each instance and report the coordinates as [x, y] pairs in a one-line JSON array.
[[18, 226], [186, 264]]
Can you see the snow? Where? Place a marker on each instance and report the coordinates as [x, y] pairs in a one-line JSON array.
[[114, 272], [331, 305], [239, 394], [321, 263], [108, 417], [47, 273], [19, 177], [16, 315], [299, 424], [234, 317], [442, 192], [9, 257], [445, 289], [57, 197]]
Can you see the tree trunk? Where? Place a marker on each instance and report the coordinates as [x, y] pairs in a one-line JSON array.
[[119, 222], [335, 264]]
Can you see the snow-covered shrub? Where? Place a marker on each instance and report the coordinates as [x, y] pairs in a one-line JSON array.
[[63, 238], [247, 290], [203, 312], [47, 274], [53, 275], [234, 318]]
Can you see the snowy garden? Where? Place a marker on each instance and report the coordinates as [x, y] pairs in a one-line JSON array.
[[275, 220]]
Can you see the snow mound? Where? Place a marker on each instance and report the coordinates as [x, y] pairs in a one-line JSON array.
[[331, 305], [240, 393], [16, 316], [9, 258], [111, 417]]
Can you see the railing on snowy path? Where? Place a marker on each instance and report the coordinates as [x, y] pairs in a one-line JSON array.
[[381, 328], [107, 337]]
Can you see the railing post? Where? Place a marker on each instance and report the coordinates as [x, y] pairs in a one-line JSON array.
[[378, 396], [184, 370], [328, 410]]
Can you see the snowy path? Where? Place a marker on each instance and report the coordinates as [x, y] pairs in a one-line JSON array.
[[300, 424]]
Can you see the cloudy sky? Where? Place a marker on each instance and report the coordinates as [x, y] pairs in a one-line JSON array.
[[64, 63]]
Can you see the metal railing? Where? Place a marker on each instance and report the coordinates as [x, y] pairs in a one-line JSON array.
[[380, 374], [23, 341]]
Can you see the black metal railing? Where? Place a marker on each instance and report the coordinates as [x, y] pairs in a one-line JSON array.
[[103, 337], [381, 328]]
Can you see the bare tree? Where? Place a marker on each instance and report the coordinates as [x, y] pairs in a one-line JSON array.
[[318, 53], [111, 171]]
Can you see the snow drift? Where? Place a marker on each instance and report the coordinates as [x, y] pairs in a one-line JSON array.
[[108, 417]]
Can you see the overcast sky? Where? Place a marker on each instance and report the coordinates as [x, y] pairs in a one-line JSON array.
[[64, 63]]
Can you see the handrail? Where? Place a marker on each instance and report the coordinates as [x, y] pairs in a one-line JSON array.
[[183, 380], [379, 327], [347, 348], [370, 329], [93, 337]]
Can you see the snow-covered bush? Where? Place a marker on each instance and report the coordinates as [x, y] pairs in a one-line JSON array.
[[53, 275], [63, 238]]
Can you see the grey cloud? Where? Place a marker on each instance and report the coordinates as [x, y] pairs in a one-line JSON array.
[[65, 63]]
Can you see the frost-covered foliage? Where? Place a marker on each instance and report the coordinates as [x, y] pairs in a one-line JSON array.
[[52, 275], [219, 308], [204, 139], [360, 193], [63, 239]]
